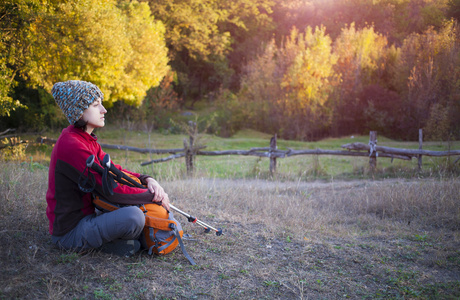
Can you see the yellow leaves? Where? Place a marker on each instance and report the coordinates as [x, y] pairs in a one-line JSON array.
[[360, 53], [312, 67], [147, 63], [365, 47], [116, 45]]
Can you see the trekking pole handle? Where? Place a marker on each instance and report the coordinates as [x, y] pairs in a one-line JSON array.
[[90, 164], [106, 161], [90, 161]]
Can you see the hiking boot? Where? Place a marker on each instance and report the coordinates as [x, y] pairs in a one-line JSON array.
[[125, 248]]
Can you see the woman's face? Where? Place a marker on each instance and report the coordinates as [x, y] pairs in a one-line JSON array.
[[94, 116]]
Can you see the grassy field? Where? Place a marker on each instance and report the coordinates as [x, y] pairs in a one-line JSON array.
[[324, 228]]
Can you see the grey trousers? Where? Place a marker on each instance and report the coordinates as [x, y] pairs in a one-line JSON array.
[[94, 230]]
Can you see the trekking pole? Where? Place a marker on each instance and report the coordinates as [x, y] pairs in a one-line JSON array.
[[192, 219], [122, 178]]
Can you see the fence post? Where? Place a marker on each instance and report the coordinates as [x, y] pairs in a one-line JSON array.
[[273, 147], [372, 151], [420, 142], [189, 148]]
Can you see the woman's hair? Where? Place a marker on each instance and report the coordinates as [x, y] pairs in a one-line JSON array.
[[81, 124]]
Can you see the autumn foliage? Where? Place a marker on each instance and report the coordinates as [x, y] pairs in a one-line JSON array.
[[304, 69], [357, 83]]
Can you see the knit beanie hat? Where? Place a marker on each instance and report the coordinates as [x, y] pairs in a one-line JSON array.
[[74, 96]]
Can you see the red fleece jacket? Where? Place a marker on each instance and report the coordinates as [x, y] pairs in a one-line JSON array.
[[67, 204]]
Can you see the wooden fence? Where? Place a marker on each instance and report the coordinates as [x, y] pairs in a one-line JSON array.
[[371, 150]]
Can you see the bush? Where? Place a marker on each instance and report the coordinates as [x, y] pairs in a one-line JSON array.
[[12, 149]]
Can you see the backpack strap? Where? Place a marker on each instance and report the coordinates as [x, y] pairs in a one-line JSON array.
[[157, 244], [103, 205], [176, 236], [162, 247], [182, 247]]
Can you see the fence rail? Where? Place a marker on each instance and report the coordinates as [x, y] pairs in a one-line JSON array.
[[371, 150]]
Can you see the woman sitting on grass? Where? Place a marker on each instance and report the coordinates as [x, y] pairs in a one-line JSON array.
[[73, 222]]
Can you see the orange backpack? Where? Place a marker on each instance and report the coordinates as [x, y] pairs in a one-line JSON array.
[[162, 232]]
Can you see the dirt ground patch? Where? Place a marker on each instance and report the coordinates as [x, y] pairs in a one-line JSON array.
[[282, 240]]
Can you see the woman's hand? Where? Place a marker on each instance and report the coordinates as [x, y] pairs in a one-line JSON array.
[[159, 193]]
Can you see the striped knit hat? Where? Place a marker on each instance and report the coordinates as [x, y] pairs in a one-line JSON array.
[[74, 96]]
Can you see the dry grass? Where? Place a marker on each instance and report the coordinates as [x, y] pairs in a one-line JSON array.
[[295, 240]]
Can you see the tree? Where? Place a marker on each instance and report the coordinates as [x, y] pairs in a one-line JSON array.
[[12, 24], [119, 48], [309, 82], [361, 55], [200, 35], [260, 88], [7, 104], [194, 40], [308, 77], [285, 89], [115, 44], [428, 74], [437, 125], [147, 62], [250, 26]]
